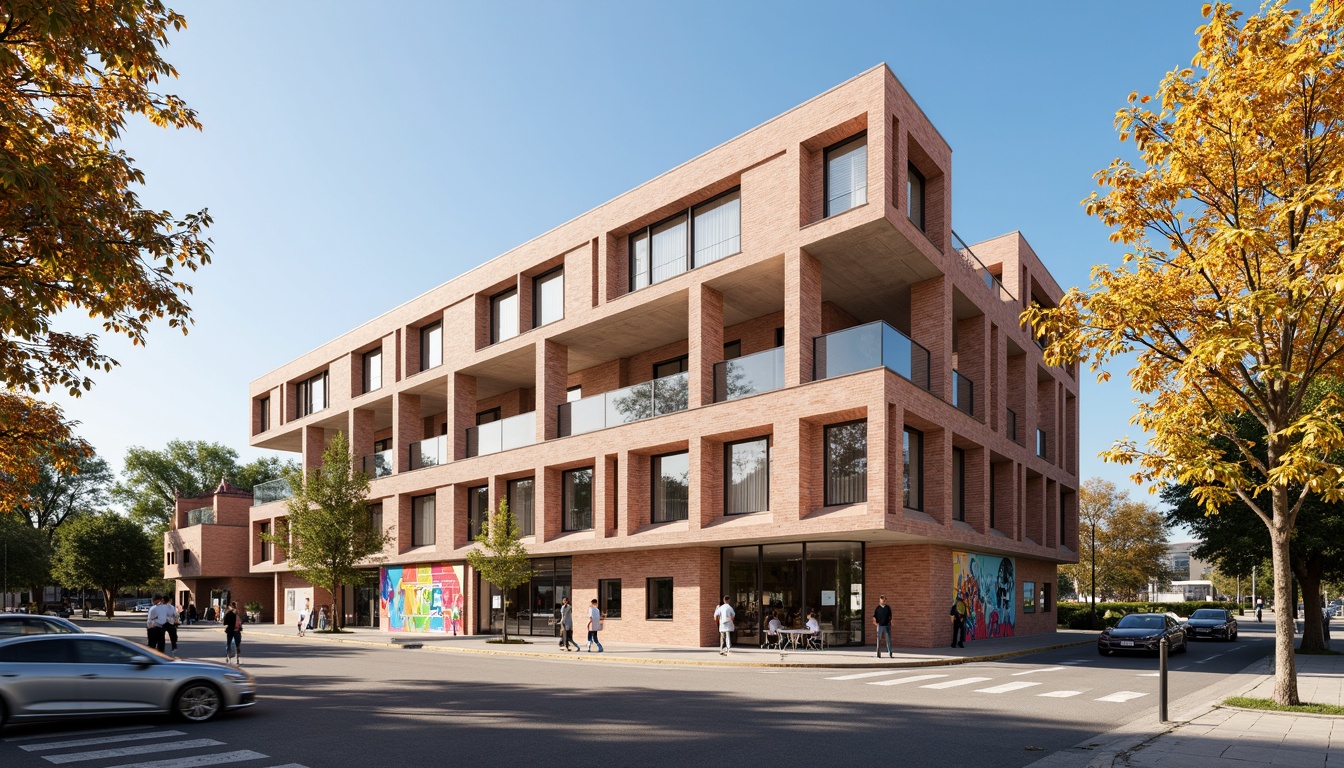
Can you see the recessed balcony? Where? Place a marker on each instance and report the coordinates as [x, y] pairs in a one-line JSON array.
[[503, 435], [271, 490], [378, 464], [873, 345], [622, 406], [963, 393], [430, 453], [749, 375]]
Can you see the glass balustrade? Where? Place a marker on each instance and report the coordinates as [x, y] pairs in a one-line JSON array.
[[203, 515], [271, 490], [963, 393], [749, 375], [864, 347], [622, 406], [378, 464], [429, 453], [503, 435]]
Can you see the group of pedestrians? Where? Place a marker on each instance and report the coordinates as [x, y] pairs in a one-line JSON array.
[[161, 625], [567, 626]]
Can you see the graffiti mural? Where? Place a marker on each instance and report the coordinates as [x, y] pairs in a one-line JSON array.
[[988, 584], [421, 598]]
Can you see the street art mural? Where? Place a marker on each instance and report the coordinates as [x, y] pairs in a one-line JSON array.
[[421, 598], [988, 584]]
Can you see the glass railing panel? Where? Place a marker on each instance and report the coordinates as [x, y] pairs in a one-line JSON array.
[[201, 516], [588, 414], [485, 439], [429, 453], [905, 357], [963, 393], [671, 394], [848, 351], [378, 464], [518, 431], [271, 490], [749, 375], [629, 404]]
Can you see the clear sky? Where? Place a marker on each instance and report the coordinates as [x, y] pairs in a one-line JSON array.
[[356, 155]]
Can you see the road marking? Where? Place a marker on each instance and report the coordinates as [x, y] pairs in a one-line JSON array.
[[1006, 687], [139, 749], [1210, 658], [80, 733], [862, 675], [955, 683], [1077, 661], [1149, 674], [904, 680], [1120, 696], [1034, 671], [1059, 694], [100, 740], [240, 756]]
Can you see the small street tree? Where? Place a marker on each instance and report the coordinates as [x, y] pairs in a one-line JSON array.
[[1231, 297], [329, 534], [1130, 541], [27, 555], [502, 560], [106, 551]]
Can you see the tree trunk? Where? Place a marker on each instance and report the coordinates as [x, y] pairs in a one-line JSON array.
[[109, 604], [1285, 666], [504, 612], [1308, 575], [337, 606]]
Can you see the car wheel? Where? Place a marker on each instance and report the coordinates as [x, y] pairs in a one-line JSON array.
[[1103, 652], [198, 702]]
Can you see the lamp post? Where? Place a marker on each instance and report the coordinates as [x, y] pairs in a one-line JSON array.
[[1094, 572]]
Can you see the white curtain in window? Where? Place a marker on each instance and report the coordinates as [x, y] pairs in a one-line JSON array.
[[422, 526], [639, 260], [550, 298], [718, 229], [669, 249], [748, 477], [504, 315], [520, 504], [847, 176]]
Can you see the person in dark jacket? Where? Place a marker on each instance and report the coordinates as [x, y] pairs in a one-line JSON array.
[[882, 620], [958, 613]]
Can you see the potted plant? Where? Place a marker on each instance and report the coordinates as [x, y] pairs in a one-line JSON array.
[[253, 612]]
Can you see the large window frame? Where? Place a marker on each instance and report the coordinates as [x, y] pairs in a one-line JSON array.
[[376, 517], [545, 312], [609, 598], [526, 519], [431, 340], [478, 510], [267, 551], [691, 251], [423, 521], [656, 588], [915, 201], [671, 367], [571, 493], [912, 446], [756, 498], [264, 414], [958, 484], [372, 364], [857, 493], [666, 507], [504, 307], [312, 394], [842, 157]]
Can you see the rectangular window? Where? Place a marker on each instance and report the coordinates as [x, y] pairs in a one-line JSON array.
[[478, 509], [659, 599], [548, 297], [846, 175], [186, 557], [431, 346], [959, 484], [1028, 597], [671, 486], [993, 494], [747, 476], [639, 260], [373, 370], [382, 445], [1042, 448], [376, 518], [574, 393], [717, 228], [577, 486], [732, 350], [488, 416], [779, 337], [609, 597], [311, 395], [263, 531], [1045, 597], [669, 367], [422, 521], [914, 196], [914, 469], [520, 504], [667, 249], [504, 315], [846, 470], [264, 414]]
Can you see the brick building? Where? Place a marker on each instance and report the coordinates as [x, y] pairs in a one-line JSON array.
[[772, 372], [205, 551]]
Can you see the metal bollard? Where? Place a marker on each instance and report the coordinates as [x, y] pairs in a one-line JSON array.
[[1162, 681]]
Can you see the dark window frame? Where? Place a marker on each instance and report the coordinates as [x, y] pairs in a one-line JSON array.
[[958, 484], [497, 412], [376, 516], [656, 474], [267, 548], [531, 528], [779, 337], [735, 347], [689, 213], [650, 592], [728, 472], [495, 314], [919, 435], [366, 369], [303, 394], [566, 515], [477, 518], [826, 172], [603, 603], [264, 414], [685, 361], [416, 537], [536, 295], [826, 462], [914, 177], [427, 330], [1029, 597]]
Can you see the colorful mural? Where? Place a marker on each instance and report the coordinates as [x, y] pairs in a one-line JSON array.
[[988, 584], [421, 598]]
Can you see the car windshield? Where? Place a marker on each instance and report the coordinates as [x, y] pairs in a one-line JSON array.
[[1140, 622], [1208, 613]]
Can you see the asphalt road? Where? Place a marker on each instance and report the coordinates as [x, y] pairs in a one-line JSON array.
[[326, 704]]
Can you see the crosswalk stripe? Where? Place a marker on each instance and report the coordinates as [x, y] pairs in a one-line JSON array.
[[1006, 687], [862, 675], [1077, 661], [1120, 696], [196, 761], [1034, 671], [100, 740], [1149, 674], [955, 683], [904, 680], [138, 749], [1059, 694], [79, 733]]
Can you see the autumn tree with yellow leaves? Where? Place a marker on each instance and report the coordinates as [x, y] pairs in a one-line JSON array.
[[1232, 291], [74, 237]]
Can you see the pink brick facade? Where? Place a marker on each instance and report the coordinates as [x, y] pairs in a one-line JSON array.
[[798, 274]]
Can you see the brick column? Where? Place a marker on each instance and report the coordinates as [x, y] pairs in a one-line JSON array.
[[706, 491], [314, 441], [548, 503], [461, 413], [931, 328], [975, 487], [604, 496], [938, 475], [796, 453], [406, 429], [802, 314], [360, 434], [552, 360], [445, 518], [400, 507], [624, 462], [705, 336], [879, 434]]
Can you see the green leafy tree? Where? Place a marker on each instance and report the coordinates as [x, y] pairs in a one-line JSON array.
[[329, 533], [1130, 543], [65, 490], [27, 554], [152, 480], [106, 551], [502, 560]]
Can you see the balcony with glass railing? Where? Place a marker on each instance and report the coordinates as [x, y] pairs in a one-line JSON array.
[[749, 375], [430, 453], [378, 464], [503, 435], [271, 490], [977, 266], [873, 345], [201, 516], [963, 393], [659, 397]]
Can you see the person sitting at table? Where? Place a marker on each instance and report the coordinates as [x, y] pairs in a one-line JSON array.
[[814, 631], [772, 629]]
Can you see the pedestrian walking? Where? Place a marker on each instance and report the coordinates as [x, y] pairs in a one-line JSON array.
[[174, 618], [958, 614], [323, 623], [1260, 609], [594, 626], [155, 621], [567, 625], [882, 620], [233, 635], [192, 615], [725, 614], [304, 613]]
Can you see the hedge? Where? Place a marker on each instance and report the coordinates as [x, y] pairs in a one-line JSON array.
[[1079, 615]]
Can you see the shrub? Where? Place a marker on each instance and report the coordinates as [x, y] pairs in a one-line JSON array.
[[1079, 615]]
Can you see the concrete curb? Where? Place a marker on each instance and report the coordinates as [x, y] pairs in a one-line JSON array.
[[1278, 712]]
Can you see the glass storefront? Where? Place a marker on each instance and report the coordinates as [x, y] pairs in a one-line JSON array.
[[792, 580], [531, 608]]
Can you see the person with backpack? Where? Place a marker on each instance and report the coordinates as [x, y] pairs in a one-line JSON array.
[[958, 614], [233, 635]]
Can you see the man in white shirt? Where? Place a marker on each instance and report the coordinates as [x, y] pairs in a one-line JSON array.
[[174, 618], [594, 626], [725, 615], [155, 621]]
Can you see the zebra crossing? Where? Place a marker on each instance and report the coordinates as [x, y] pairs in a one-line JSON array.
[[976, 676], [144, 746]]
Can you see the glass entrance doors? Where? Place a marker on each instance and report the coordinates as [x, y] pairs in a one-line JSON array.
[[532, 608], [792, 580]]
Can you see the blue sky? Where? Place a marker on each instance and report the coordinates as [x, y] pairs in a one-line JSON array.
[[356, 155]]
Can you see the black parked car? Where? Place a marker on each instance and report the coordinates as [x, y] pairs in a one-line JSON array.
[[1142, 632], [1213, 622]]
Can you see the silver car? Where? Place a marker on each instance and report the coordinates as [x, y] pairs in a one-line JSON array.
[[80, 675], [23, 624]]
